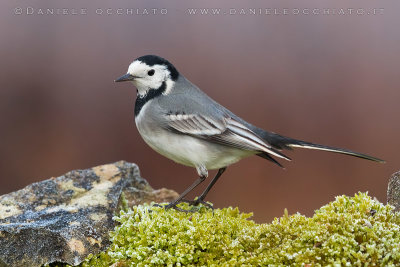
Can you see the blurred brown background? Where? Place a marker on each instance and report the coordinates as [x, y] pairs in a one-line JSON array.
[[331, 79]]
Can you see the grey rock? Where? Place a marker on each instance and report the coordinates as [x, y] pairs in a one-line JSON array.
[[66, 218], [393, 192]]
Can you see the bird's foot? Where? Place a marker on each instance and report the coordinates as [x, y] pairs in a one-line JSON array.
[[174, 205], [196, 202]]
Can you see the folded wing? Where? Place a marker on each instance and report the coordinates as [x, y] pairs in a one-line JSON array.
[[224, 131]]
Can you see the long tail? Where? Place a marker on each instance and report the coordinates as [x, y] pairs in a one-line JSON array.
[[303, 144], [282, 142]]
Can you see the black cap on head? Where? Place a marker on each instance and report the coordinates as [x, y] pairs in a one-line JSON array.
[[156, 60]]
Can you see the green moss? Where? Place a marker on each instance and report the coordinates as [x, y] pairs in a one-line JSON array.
[[350, 231]]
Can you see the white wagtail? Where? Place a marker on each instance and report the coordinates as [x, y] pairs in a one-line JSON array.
[[182, 123]]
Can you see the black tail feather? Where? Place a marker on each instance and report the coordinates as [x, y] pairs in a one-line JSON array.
[[268, 157], [281, 142], [308, 145]]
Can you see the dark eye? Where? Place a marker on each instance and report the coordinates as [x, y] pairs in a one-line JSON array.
[[151, 72]]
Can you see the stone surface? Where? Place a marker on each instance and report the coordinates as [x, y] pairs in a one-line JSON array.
[[64, 219], [393, 192]]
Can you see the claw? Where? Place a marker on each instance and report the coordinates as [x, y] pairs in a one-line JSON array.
[[196, 202], [204, 203], [174, 206]]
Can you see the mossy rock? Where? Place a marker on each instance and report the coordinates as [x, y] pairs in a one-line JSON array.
[[350, 231]]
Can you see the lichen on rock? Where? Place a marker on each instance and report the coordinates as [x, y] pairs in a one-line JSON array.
[[66, 218], [350, 231]]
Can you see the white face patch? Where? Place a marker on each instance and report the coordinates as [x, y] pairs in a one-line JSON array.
[[170, 83], [145, 82]]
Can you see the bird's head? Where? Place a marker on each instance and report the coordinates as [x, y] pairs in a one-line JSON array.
[[150, 73]]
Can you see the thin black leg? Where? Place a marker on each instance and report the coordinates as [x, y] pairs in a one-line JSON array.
[[180, 198], [213, 181], [200, 199]]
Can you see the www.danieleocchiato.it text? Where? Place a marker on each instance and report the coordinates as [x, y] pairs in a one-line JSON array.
[[284, 11]]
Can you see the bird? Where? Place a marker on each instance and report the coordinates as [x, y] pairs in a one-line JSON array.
[[181, 122]]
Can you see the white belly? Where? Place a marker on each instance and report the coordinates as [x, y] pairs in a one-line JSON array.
[[193, 152]]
